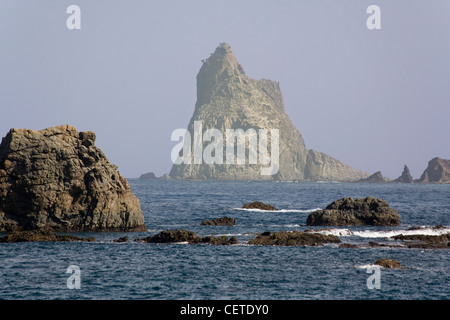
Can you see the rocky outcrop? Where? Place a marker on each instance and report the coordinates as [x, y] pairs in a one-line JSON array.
[[350, 212], [152, 176], [259, 205], [293, 238], [223, 221], [182, 235], [58, 179], [438, 171], [377, 177], [227, 99], [405, 176], [425, 241], [41, 236], [388, 263]]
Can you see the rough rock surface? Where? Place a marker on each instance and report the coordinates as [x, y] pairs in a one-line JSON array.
[[259, 205], [182, 235], [438, 171], [388, 263], [405, 176], [425, 241], [228, 99], [350, 212], [223, 221], [58, 179], [293, 238], [40, 235]]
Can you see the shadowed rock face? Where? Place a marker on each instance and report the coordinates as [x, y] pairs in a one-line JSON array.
[[350, 212], [228, 99], [57, 179], [438, 171], [405, 176]]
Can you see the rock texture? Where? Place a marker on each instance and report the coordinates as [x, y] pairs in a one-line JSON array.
[[377, 177], [388, 263], [58, 179], [182, 235], [350, 212], [293, 238], [223, 221], [228, 99], [41, 236], [259, 205], [405, 176], [438, 171]]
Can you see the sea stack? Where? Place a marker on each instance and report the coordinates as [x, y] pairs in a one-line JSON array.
[[57, 179], [405, 177], [227, 99], [438, 171]]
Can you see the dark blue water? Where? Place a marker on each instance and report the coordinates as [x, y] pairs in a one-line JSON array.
[[134, 270]]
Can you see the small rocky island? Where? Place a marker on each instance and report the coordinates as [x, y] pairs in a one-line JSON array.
[[350, 212], [57, 179]]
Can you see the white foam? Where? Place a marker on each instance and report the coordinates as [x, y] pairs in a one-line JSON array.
[[430, 231], [334, 232], [280, 211], [366, 266]]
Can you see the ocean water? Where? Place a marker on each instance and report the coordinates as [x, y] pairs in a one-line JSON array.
[[110, 270]]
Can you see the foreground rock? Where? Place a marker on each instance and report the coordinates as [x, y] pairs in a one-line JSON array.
[[227, 99], [40, 235], [224, 221], [349, 212], [293, 238], [58, 179], [388, 263], [259, 205], [182, 235], [438, 171]]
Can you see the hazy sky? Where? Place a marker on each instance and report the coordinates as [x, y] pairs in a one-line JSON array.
[[374, 99]]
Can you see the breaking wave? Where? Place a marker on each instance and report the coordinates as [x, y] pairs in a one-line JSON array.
[[280, 210]]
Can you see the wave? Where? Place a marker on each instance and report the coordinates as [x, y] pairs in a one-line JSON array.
[[332, 231], [430, 231], [280, 210]]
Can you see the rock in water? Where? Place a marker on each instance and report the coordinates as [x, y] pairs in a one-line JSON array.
[[259, 205], [438, 171], [58, 179], [377, 177], [349, 212], [228, 99], [405, 177], [293, 238], [388, 263]]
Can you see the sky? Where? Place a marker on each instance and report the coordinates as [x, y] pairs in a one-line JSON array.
[[374, 99]]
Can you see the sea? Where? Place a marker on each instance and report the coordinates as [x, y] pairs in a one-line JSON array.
[[109, 270]]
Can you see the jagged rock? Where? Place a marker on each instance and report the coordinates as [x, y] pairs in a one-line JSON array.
[[425, 241], [182, 235], [377, 177], [438, 171], [228, 99], [58, 179], [293, 238], [223, 221], [40, 235], [122, 239], [405, 176], [388, 263], [259, 205], [349, 212]]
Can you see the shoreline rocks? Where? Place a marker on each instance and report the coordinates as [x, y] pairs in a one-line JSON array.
[[350, 212], [182, 235], [41, 236], [57, 179], [388, 263], [293, 238]]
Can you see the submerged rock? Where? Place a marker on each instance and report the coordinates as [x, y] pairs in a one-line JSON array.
[[40, 235], [388, 263], [58, 179], [293, 238], [350, 212], [223, 221], [259, 205], [182, 235]]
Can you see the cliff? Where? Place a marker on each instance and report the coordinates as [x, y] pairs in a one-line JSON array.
[[228, 99], [438, 171]]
